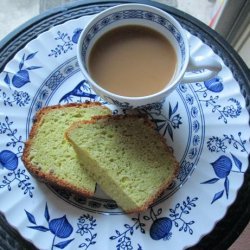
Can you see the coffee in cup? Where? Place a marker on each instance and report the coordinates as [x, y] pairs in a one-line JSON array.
[[132, 60]]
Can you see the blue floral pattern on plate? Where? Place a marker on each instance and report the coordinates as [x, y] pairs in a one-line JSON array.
[[213, 159], [62, 229], [22, 76], [18, 80], [10, 159], [59, 227], [222, 168], [160, 227], [86, 226], [65, 42]]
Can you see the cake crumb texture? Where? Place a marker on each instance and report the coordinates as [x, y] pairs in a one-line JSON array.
[[126, 157]]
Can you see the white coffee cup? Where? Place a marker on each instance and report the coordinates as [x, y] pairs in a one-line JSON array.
[[154, 18]]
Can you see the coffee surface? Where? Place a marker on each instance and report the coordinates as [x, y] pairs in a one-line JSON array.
[[132, 61]]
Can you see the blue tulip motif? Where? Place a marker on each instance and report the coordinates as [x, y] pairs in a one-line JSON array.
[[77, 33], [222, 168], [22, 77], [214, 84], [8, 160], [59, 227], [161, 227]]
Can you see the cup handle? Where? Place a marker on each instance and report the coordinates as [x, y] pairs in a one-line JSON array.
[[212, 65]]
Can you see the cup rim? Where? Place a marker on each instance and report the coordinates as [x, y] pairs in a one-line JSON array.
[[131, 98]]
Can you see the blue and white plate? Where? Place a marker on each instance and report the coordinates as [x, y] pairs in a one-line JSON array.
[[206, 124]]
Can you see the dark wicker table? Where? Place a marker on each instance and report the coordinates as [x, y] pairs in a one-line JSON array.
[[237, 217]]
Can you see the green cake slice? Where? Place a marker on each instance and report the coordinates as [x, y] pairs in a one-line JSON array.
[[126, 157], [50, 157]]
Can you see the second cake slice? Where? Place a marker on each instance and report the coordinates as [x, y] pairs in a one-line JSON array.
[[126, 157]]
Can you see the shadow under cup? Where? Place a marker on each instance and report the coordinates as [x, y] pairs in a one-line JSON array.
[[146, 16]]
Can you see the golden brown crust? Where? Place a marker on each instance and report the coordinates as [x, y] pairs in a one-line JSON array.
[[58, 182], [149, 123], [34, 170]]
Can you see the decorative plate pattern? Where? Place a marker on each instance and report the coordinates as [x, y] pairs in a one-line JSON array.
[[205, 123]]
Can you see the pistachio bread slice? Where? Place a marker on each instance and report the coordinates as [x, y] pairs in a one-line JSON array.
[[50, 157], [126, 157]]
